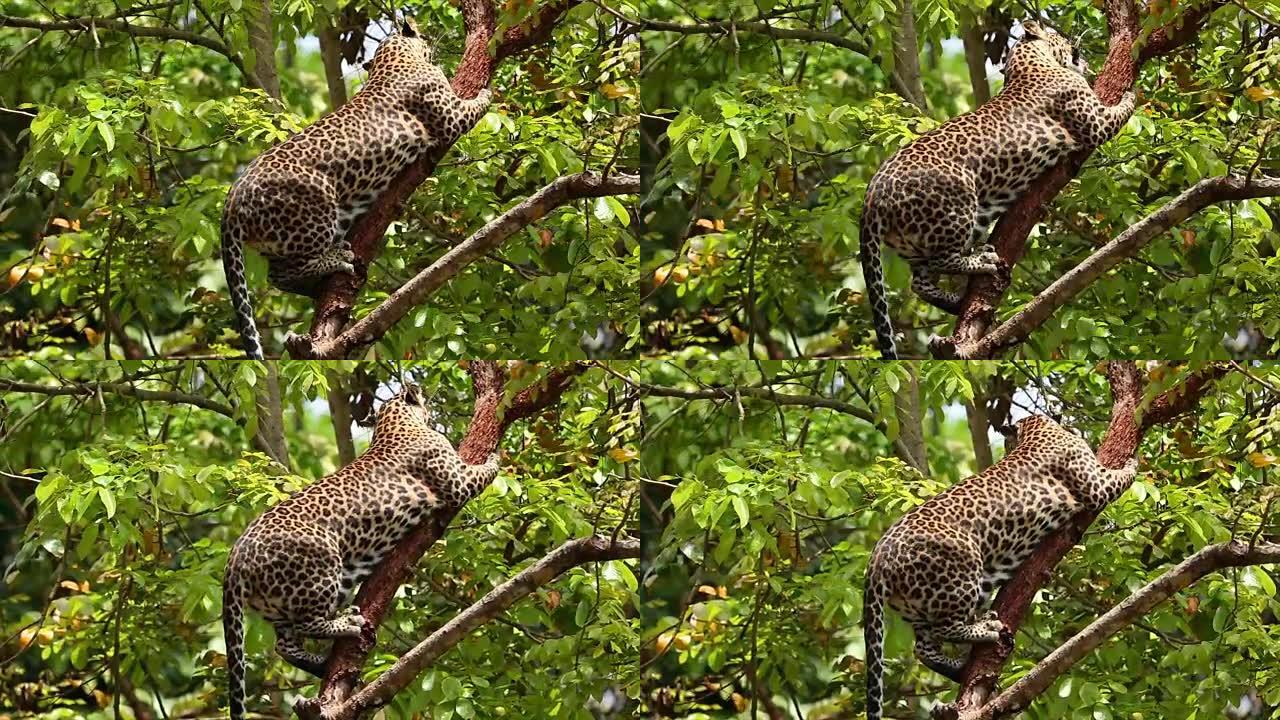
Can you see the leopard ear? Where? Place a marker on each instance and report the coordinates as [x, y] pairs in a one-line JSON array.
[[1032, 29], [408, 27], [412, 394]]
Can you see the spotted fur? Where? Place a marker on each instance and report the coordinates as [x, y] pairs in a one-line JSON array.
[[296, 201], [299, 563], [933, 200], [938, 565]]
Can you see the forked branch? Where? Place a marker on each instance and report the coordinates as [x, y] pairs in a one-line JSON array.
[[1213, 558], [489, 420], [1119, 443], [474, 72], [413, 293], [1119, 71]]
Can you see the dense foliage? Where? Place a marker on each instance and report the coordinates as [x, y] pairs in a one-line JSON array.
[[119, 512], [119, 150], [761, 516], [761, 144]]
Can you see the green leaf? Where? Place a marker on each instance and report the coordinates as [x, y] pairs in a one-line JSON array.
[[619, 210], [108, 136], [739, 141], [740, 507], [108, 501]]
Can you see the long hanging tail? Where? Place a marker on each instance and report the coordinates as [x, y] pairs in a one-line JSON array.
[[233, 636], [873, 636], [873, 277], [233, 266]]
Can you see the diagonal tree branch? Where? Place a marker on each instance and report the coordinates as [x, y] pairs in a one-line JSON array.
[[119, 25], [172, 397], [474, 72], [1119, 443], [1119, 71], [575, 552], [1199, 196], [373, 326], [489, 420], [1213, 558]]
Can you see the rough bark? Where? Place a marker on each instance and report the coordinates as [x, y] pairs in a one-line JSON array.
[[490, 417], [1119, 443], [1125, 245], [1119, 71], [383, 689], [1236, 553], [373, 326]]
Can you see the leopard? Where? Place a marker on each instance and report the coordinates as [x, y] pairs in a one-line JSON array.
[[299, 563], [938, 564], [934, 200], [296, 201]]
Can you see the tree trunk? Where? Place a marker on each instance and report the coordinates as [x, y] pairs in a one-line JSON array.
[[976, 413], [262, 41], [906, 55], [340, 416], [331, 55], [271, 416], [975, 56], [906, 403]]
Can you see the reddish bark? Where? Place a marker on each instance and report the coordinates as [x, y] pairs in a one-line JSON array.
[[474, 72], [1119, 443], [984, 292], [489, 419]]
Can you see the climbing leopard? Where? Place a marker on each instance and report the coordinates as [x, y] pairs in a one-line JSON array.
[[295, 203], [299, 563], [934, 199], [938, 564]]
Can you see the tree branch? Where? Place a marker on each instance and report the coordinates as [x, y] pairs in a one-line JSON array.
[[735, 393], [726, 27], [373, 326], [1119, 443], [474, 72], [117, 25], [89, 389], [1119, 71], [488, 421], [1236, 553], [571, 554], [1199, 196]]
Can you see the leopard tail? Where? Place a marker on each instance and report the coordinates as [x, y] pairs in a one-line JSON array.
[[233, 266], [873, 637], [233, 637], [873, 277]]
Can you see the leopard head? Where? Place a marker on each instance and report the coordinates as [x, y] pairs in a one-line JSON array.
[[1040, 45], [406, 411], [405, 48]]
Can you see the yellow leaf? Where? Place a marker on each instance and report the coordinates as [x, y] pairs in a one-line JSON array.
[[739, 335], [70, 585], [1261, 460], [1258, 94], [623, 455]]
